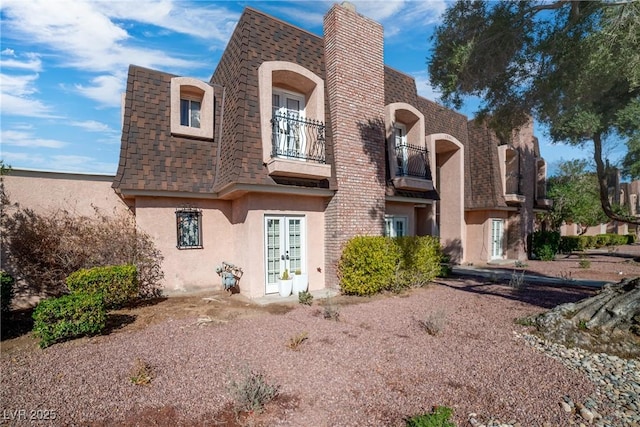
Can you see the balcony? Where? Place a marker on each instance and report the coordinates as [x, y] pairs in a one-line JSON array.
[[297, 146], [512, 192], [412, 168]]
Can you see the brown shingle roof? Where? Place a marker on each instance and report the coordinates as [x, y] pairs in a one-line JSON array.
[[257, 38], [484, 186], [150, 157]]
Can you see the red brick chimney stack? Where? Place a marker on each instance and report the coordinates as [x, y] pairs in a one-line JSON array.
[[355, 86]]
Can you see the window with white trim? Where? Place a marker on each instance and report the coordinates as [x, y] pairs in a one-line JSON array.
[[395, 226], [190, 112], [192, 108], [189, 228]]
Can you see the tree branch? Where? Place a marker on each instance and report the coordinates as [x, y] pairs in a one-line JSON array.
[[602, 181]]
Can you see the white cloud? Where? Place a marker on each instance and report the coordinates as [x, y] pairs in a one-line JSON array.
[[31, 63], [26, 139], [212, 23], [17, 85], [92, 126], [71, 163], [84, 35], [106, 90], [16, 106]]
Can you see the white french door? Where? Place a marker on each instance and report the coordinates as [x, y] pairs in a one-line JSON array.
[[290, 134], [285, 243], [402, 156], [497, 237]]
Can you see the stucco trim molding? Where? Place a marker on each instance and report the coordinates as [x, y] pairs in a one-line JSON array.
[[191, 85], [311, 86]]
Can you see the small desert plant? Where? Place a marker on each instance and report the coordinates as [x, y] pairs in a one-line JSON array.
[[142, 372], [296, 341], [285, 275], [525, 321], [433, 323], [252, 392], [305, 297], [584, 263], [439, 417], [565, 276], [520, 264], [331, 309], [582, 325], [517, 280]]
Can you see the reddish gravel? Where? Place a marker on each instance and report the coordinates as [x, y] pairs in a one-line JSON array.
[[373, 367]]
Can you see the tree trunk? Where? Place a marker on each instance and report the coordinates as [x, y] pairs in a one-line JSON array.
[[607, 322], [602, 181]]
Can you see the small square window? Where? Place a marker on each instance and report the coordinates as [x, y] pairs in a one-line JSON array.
[[189, 228], [190, 113]]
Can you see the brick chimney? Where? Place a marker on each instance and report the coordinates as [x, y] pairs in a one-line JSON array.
[[355, 87]]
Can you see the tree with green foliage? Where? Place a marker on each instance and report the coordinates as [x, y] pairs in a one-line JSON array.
[[572, 65], [575, 195]]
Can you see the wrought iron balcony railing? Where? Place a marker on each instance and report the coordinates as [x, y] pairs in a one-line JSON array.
[[296, 137], [413, 161]]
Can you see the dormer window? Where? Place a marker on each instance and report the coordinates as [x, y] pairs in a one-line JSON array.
[[190, 113], [191, 108]]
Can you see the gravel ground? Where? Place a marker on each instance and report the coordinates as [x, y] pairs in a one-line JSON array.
[[373, 367], [610, 265]]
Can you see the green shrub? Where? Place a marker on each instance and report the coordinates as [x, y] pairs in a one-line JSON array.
[[6, 291], [545, 244], [569, 244], [601, 240], [421, 260], [305, 298], [371, 264], [584, 263], [631, 239], [439, 417], [118, 284], [368, 265], [74, 315]]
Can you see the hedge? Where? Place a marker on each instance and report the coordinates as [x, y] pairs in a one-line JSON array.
[[69, 316], [117, 284], [371, 264], [570, 244]]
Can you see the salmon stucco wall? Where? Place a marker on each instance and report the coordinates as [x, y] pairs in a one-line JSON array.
[[76, 193], [248, 228], [478, 227], [187, 269]]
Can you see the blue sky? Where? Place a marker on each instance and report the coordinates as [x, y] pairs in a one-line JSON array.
[[63, 65]]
